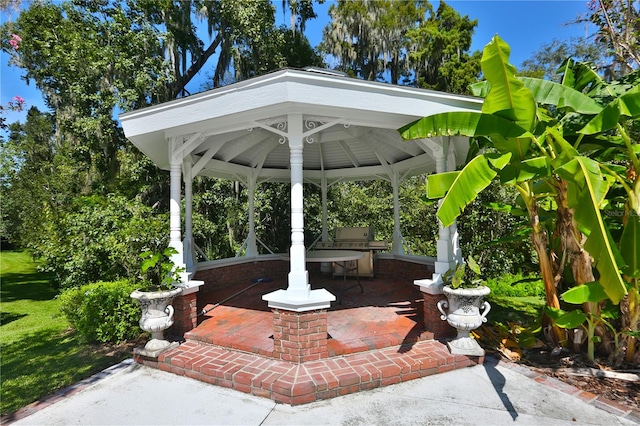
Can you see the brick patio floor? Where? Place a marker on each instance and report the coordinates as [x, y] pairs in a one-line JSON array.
[[375, 339]]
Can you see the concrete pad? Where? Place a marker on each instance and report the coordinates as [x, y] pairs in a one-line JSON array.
[[471, 396], [480, 395], [144, 396]]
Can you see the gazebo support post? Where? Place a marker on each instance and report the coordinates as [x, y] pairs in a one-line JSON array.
[[175, 227], [397, 247], [300, 320], [252, 246], [448, 251], [185, 315], [325, 267], [189, 250]]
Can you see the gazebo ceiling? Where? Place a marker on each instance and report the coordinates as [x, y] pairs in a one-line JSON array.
[[241, 129]]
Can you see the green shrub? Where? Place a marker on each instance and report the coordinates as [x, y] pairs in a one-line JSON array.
[[517, 285], [102, 312], [99, 238]]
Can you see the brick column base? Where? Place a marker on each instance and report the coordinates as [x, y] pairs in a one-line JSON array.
[[185, 317], [300, 336], [433, 325]]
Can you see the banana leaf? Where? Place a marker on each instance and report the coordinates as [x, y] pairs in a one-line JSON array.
[[507, 98], [586, 189], [531, 169], [551, 93], [438, 185], [464, 123], [589, 292], [480, 89], [630, 246], [548, 93], [580, 77], [466, 186], [564, 319], [627, 105]]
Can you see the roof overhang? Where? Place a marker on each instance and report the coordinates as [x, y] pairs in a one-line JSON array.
[[235, 131]]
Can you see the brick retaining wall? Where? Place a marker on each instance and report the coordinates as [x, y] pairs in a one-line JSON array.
[[215, 279], [404, 270], [240, 274]]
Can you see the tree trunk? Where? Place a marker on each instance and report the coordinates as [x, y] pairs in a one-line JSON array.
[[540, 242], [572, 244], [571, 239]]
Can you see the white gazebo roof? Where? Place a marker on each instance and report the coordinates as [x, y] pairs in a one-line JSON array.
[[295, 126], [240, 130]]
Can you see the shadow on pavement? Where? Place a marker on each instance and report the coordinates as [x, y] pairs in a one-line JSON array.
[[498, 381]]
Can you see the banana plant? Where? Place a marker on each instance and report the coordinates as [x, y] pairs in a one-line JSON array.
[[619, 158], [534, 155], [592, 292]]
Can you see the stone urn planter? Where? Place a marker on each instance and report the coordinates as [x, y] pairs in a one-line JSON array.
[[462, 311], [157, 316]]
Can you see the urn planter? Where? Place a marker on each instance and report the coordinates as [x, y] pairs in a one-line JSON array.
[[462, 310], [157, 316]]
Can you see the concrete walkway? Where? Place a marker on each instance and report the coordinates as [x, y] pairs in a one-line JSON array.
[[490, 394]]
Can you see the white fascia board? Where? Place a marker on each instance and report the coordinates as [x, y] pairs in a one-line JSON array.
[[235, 106], [459, 101], [371, 99], [199, 97], [301, 88]]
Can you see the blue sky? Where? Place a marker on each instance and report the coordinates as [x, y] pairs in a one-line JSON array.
[[524, 25]]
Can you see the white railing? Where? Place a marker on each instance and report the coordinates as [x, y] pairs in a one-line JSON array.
[[200, 252], [244, 245], [313, 244]]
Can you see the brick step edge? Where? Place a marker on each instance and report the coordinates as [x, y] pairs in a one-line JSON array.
[[311, 381]]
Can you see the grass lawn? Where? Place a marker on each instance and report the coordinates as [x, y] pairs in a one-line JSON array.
[[39, 353]]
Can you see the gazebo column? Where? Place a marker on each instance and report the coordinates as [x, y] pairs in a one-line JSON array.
[[324, 187], [175, 227], [252, 246], [189, 249], [325, 267], [299, 313], [397, 246], [185, 304], [448, 252]]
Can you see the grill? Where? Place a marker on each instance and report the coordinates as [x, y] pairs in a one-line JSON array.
[[354, 238]]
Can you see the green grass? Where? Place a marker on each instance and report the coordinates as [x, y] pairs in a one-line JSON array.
[[39, 353], [524, 310], [516, 298]]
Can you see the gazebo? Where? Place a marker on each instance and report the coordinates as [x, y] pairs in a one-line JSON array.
[[299, 126]]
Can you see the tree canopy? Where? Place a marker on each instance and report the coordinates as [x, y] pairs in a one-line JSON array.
[[403, 42], [93, 59]]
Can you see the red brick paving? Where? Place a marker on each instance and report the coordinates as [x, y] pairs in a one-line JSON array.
[[388, 313], [310, 381], [376, 339]]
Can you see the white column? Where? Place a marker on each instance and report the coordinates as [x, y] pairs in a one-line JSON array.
[[252, 246], [189, 249], [448, 249], [323, 189], [397, 247], [446, 257], [298, 276], [298, 296], [325, 267], [175, 232], [453, 229]]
